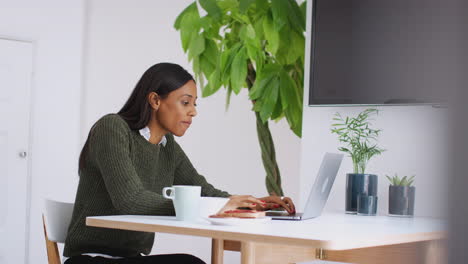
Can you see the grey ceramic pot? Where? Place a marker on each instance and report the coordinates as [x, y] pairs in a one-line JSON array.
[[401, 200], [359, 184]]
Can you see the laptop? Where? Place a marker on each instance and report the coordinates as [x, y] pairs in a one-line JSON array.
[[319, 193]]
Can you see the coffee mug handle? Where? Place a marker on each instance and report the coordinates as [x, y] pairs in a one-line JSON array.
[[164, 192]]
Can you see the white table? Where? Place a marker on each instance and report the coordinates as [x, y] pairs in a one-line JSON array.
[[332, 236]]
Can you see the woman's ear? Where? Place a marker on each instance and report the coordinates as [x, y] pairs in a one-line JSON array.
[[154, 100]]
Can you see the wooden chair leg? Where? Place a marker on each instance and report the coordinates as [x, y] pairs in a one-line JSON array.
[[51, 247]]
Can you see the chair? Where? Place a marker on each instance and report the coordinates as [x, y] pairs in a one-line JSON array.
[[55, 219]]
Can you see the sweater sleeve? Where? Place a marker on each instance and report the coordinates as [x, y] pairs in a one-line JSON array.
[[110, 147], [186, 174]]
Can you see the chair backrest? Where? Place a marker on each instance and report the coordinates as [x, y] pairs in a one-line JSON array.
[[55, 219]]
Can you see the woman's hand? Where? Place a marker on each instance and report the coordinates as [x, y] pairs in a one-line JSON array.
[[275, 202], [236, 201]]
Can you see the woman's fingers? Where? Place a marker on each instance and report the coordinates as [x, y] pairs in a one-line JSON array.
[[257, 201], [285, 206], [273, 206], [286, 203], [248, 204], [290, 203], [270, 202], [249, 201]]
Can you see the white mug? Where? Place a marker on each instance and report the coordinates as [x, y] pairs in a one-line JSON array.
[[186, 199]]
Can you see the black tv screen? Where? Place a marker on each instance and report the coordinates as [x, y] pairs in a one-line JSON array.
[[378, 52]]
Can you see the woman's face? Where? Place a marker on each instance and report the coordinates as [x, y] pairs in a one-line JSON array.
[[176, 111]]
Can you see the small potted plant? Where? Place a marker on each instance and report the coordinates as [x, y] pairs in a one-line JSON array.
[[401, 196], [360, 143]]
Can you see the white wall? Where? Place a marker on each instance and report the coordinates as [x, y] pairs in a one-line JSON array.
[[55, 28], [415, 142], [124, 38]]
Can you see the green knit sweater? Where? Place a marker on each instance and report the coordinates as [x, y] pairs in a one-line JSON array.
[[125, 174]]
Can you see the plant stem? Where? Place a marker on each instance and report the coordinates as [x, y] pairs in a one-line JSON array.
[[273, 177], [267, 146]]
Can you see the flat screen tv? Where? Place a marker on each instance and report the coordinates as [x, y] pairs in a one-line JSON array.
[[374, 52]]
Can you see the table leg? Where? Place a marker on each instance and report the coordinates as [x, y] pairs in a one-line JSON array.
[[247, 253], [217, 251], [436, 252]]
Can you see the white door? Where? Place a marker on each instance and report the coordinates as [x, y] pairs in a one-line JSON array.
[[15, 89]]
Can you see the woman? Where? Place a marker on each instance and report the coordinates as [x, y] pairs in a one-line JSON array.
[[127, 160]]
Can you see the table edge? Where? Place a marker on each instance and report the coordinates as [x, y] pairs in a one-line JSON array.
[[346, 244]]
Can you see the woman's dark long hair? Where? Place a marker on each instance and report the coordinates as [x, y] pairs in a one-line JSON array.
[[161, 78]]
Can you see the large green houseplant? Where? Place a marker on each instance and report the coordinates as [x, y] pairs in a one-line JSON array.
[[252, 44]]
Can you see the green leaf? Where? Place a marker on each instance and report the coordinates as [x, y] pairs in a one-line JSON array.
[[211, 52], [259, 63], [262, 80], [247, 33], [344, 149], [279, 9], [228, 4], [296, 46], [206, 66], [259, 32], [271, 35], [257, 107], [403, 181], [252, 52], [269, 99], [303, 8], [212, 8], [188, 22], [250, 31], [277, 111], [258, 87], [295, 16], [196, 65], [239, 71], [244, 5], [207, 24], [290, 93], [397, 180], [191, 9], [389, 179], [227, 57], [197, 45], [262, 4], [293, 115], [185, 37], [214, 84], [287, 90], [228, 96], [411, 180]]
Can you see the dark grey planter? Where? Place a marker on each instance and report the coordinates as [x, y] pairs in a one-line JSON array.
[[359, 185], [401, 200]]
